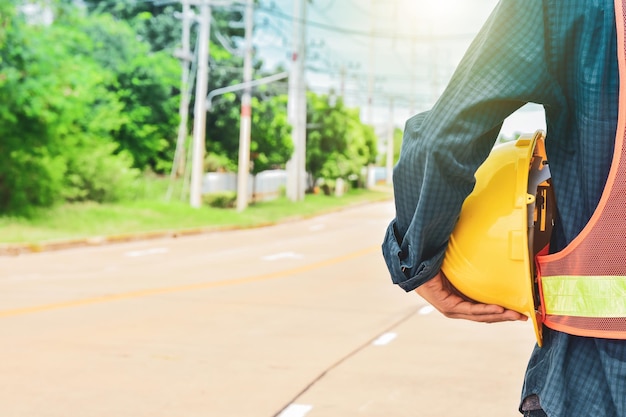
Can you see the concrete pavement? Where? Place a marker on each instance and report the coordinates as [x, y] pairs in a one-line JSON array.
[[296, 320]]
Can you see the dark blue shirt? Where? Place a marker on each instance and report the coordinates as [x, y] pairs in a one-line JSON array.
[[561, 54]]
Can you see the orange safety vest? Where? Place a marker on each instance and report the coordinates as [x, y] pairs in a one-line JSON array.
[[583, 287]]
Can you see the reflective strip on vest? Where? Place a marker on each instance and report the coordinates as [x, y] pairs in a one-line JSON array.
[[588, 296]]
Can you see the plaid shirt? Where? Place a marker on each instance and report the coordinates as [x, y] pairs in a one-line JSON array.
[[561, 54]]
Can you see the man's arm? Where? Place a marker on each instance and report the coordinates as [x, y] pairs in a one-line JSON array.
[[503, 69]]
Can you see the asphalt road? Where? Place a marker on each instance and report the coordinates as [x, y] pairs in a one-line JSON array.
[[293, 320]]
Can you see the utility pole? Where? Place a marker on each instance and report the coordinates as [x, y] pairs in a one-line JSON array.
[[390, 140], [185, 56], [413, 91], [371, 65], [199, 125], [296, 110], [434, 65], [246, 114], [342, 85]]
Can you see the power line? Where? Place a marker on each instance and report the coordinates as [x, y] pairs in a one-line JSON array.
[[364, 33], [326, 7]]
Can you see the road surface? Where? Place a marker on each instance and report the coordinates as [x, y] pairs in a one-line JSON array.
[[294, 320]]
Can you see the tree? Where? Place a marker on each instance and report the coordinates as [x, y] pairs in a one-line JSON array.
[[339, 145], [271, 145], [153, 23], [145, 84], [54, 110], [158, 25], [7, 11], [397, 144]]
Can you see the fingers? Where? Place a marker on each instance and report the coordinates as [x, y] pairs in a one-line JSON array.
[[444, 297], [484, 313]]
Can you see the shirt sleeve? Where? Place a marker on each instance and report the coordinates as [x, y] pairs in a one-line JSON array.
[[504, 68]]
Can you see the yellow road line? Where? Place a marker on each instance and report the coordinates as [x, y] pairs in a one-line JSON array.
[[183, 288]]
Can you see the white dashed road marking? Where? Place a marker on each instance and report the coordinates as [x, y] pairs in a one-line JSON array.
[[426, 310], [282, 255], [296, 410], [317, 227], [384, 339], [146, 252]]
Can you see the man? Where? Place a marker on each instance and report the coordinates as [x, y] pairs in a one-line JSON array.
[[562, 54]]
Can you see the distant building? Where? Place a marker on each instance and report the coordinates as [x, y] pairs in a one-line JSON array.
[[39, 13]]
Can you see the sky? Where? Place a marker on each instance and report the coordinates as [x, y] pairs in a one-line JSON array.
[[416, 47]]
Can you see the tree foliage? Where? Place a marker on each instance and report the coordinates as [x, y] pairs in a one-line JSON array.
[[339, 145], [54, 110], [271, 145], [90, 100], [154, 24], [144, 83], [158, 25]]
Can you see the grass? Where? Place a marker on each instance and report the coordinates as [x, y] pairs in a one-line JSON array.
[[88, 220]]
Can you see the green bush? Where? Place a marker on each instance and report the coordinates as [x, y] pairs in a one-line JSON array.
[[221, 199], [100, 175], [30, 179], [218, 163]]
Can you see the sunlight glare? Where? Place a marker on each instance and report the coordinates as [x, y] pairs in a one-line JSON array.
[[432, 14]]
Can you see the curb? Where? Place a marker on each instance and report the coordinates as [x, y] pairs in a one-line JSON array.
[[50, 246], [24, 248]]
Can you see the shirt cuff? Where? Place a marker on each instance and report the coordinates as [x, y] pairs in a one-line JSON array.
[[405, 269]]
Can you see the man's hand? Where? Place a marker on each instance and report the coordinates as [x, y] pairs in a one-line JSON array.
[[440, 293]]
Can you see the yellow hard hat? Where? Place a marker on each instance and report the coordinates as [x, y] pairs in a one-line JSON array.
[[504, 222]]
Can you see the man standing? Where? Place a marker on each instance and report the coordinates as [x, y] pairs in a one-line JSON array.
[[566, 56]]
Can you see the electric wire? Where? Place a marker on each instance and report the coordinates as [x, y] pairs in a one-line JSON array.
[[366, 33], [328, 27], [273, 23]]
